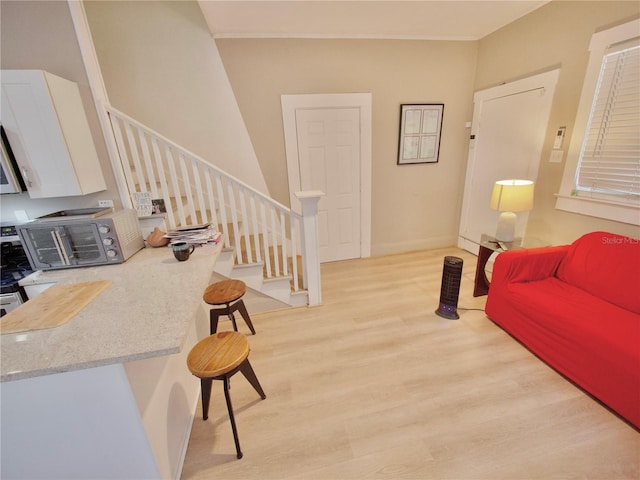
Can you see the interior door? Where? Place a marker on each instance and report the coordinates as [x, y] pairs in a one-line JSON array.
[[328, 146], [329, 160], [508, 130]]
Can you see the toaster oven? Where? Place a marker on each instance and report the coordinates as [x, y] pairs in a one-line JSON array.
[[81, 238]]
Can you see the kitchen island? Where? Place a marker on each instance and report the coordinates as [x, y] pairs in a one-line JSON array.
[[108, 394]]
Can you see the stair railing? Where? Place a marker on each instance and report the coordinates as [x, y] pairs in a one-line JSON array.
[[196, 192]]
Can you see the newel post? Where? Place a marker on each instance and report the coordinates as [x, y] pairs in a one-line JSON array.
[[309, 201]]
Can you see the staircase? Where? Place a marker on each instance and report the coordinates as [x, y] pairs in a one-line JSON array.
[[266, 245]]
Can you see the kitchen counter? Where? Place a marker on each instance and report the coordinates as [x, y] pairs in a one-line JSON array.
[[144, 313], [113, 378]]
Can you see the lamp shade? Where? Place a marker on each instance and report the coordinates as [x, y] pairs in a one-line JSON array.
[[512, 196]]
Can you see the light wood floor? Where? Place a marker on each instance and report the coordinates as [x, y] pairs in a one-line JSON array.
[[373, 384]]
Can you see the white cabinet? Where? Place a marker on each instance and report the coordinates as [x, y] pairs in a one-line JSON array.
[[47, 128]]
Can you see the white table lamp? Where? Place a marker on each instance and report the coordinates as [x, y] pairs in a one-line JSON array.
[[510, 196]]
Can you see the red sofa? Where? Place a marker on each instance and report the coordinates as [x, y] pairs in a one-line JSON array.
[[577, 307]]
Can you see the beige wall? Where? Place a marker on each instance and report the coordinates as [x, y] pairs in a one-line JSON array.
[[413, 206], [556, 35], [40, 35], [160, 66]]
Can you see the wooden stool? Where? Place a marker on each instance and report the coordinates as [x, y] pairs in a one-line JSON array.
[[219, 357], [225, 293]]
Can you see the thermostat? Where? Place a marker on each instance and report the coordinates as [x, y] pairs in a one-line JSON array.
[[557, 143]]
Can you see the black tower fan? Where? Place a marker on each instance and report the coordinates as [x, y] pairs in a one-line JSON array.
[[450, 289]]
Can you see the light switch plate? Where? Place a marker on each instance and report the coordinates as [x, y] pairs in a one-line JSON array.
[[556, 156]]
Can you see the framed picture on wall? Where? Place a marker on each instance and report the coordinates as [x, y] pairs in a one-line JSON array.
[[420, 129]]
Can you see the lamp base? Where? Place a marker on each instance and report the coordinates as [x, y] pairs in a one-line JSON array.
[[506, 227]]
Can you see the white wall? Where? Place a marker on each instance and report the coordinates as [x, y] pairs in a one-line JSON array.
[[40, 35], [161, 66]]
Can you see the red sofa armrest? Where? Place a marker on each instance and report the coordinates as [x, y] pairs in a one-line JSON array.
[[527, 265], [516, 266]]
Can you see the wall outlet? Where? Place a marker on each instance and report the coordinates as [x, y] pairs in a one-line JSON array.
[[21, 215], [105, 203]]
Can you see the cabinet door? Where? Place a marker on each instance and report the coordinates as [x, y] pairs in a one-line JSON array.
[[47, 128]]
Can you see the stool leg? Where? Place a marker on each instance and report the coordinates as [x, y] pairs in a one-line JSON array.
[[241, 307], [214, 315], [249, 374], [231, 417], [205, 385], [232, 317]]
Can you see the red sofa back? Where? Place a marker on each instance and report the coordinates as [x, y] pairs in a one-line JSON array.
[[606, 265]]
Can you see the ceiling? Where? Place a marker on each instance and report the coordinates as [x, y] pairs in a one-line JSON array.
[[413, 19]]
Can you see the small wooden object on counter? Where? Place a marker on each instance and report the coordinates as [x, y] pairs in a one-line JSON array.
[[157, 238], [226, 292], [219, 357], [53, 307]]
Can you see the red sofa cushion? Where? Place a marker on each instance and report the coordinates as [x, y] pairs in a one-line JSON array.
[[606, 265]]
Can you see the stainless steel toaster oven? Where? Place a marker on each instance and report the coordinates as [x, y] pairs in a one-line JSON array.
[[81, 238]]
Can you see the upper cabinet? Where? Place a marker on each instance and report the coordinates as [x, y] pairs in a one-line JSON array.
[[47, 128]]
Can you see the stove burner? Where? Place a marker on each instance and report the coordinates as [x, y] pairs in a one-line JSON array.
[[15, 266]]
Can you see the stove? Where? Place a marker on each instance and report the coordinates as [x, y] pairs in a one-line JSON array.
[[14, 267]]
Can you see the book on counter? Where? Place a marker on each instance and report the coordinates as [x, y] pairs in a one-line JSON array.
[[195, 234]]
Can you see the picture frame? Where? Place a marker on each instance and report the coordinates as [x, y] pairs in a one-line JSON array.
[[142, 203], [420, 132], [158, 206]]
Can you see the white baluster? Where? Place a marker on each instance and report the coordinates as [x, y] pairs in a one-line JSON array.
[[265, 237], [210, 198], [283, 240], [294, 250], [125, 161], [234, 223], [176, 186], [150, 176], [254, 223], [133, 149], [274, 238], [223, 211], [199, 194], [245, 224]]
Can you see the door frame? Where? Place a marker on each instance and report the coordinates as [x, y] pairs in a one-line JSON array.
[[546, 80], [361, 101]]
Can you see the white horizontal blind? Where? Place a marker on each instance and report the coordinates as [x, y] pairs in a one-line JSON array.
[[609, 164]]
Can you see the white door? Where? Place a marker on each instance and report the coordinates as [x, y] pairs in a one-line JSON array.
[[328, 143], [329, 157], [509, 126]]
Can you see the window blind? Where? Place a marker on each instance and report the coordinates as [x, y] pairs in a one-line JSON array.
[[609, 162]]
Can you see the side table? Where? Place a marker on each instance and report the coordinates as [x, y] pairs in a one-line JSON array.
[[488, 246]]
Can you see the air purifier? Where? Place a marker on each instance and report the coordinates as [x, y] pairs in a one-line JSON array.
[[450, 288]]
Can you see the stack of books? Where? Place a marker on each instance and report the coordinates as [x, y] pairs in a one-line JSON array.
[[194, 234]]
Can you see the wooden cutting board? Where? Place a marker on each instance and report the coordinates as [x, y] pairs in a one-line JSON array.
[[53, 307]]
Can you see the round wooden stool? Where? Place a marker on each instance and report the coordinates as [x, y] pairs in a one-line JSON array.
[[219, 357], [226, 292]]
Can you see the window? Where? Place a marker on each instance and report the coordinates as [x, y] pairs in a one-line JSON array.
[[609, 162], [602, 175]]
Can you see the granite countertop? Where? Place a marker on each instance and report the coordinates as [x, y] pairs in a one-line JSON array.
[[144, 313]]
